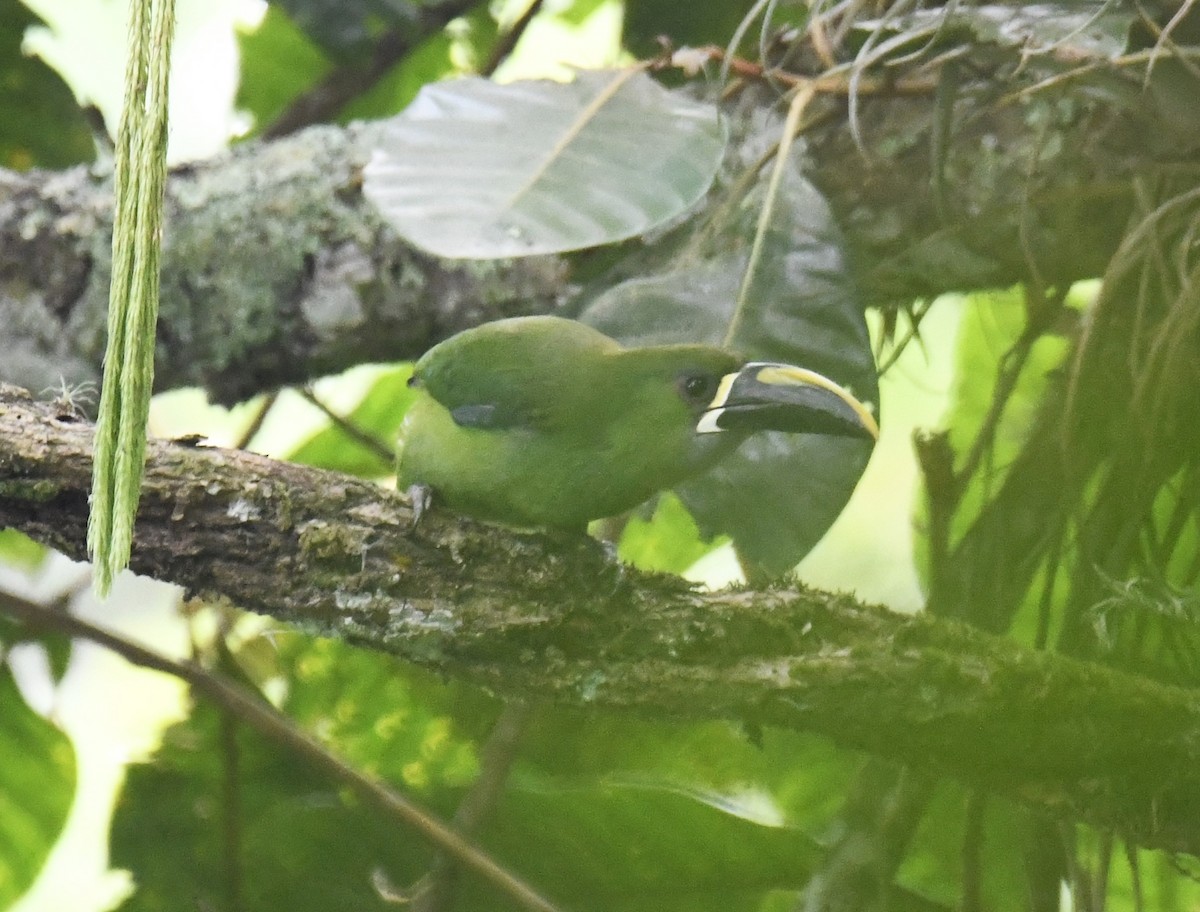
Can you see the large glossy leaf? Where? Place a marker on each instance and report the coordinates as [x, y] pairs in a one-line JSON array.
[[176, 814], [37, 785], [624, 845], [612, 847], [799, 777], [779, 493], [478, 170]]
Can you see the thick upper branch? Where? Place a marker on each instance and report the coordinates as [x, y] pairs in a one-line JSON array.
[[277, 270], [528, 614]]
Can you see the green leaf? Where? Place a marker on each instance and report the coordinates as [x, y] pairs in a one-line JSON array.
[[631, 846], [177, 812], [805, 776], [397, 721], [175, 815], [41, 124], [431, 61], [279, 63], [612, 846], [19, 550], [478, 170], [378, 415], [37, 786], [668, 542], [779, 493], [991, 325]]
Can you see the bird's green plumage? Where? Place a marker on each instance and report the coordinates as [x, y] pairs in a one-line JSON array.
[[540, 421], [557, 424]]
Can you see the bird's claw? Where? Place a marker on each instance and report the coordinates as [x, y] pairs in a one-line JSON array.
[[420, 497]]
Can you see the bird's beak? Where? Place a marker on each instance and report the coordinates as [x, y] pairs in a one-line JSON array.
[[779, 397]]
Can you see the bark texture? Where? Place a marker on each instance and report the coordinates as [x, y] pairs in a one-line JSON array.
[[275, 270], [527, 614]]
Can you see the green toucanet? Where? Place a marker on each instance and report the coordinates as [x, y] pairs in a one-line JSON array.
[[541, 421]]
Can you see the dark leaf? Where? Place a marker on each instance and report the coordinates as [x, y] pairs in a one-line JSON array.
[[779, 493]]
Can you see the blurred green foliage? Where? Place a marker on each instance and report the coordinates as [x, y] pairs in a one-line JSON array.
[[37, 786], [608, 812], [41, 124]]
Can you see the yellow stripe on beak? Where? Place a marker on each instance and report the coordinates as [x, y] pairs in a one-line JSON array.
[[753, 399], [708, 421], [787, 375]]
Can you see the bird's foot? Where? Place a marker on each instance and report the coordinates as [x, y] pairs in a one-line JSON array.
[[420, 496], [611, 551]]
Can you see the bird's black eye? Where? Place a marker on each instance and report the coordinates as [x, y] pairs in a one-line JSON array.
[[698, 388]]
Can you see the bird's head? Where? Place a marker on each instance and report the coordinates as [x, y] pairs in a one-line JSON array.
[[728, 397]]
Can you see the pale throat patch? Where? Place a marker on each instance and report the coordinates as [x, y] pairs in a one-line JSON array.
[[708, 421]]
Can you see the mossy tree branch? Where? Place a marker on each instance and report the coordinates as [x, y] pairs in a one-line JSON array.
[[527, 614]]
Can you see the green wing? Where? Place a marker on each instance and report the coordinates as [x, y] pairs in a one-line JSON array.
[[519, 373]]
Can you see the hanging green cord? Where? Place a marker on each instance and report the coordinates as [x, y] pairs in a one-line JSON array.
[[140, 171]]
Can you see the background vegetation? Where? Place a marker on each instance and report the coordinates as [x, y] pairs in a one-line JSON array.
[[1009, 192]]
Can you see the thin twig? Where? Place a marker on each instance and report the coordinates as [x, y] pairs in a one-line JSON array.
[[790, 127], [256, 424], [345, 83], [1011, 366], [435, 891], [264, 719], [915, 315], [231, 809], [830, 83], [1184, 55], [973, 854], [1135, 873], [374, 444], [508, 41]]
